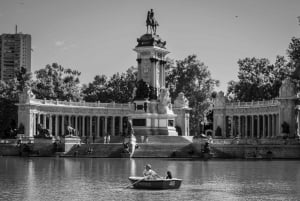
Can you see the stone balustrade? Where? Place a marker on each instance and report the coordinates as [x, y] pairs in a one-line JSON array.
[[253, 104], [80, 104]]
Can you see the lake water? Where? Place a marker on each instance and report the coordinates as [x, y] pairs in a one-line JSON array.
[[105, 179]]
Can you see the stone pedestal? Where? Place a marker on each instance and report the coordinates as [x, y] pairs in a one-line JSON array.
[[69, 142], [43, 140]]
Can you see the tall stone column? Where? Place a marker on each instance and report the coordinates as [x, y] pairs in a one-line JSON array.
[[29, 131], [44, 121], [34, 124], [56, 125], [258, 127], [298, 122], [252, 126], [274, 125], [121, 125], [50, 124], [231, 127], [239, 126], [264, 126], [39, 118], [98, 127], [113, 125], [83, 126], [91, 126], [105, 125], [246, 126], [76, 122], [62, 125], [271, 126]]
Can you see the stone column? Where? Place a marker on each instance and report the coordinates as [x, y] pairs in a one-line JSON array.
[[264, 126], [274, 125], [34, 124], [39, 118], [83, 126], [258, 127], [44, 121], [239, 126], [105, 125], [29, 125], [56, 125], [50, 124], [231, 127], [269, 125], [246, 126], [113, 126], [298, 119], [76, 122], [121, 125], [91, 126], [62, 125], [252, 126], [98, 127]]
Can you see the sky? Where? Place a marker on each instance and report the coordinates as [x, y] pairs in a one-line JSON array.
[[98, 36]]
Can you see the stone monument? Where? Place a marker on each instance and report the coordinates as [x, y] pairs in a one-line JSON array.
[[152, 113]]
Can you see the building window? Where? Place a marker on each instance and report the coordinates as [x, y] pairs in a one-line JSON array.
[[139, 122]]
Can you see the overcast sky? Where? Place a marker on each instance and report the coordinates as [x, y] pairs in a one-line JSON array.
[[98, 37]]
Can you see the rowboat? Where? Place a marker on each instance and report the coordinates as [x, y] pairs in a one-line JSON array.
[[155, 184]]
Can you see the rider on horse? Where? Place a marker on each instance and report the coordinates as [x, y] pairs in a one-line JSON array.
[[151, 22]]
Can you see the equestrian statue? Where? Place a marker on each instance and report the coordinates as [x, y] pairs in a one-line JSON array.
[[151, 22]]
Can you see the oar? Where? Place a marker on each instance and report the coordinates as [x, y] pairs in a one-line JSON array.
[[135, 182]]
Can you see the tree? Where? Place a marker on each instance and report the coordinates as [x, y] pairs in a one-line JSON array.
[[9, 94], [121, 86], [293, 53], [96, 90], [193, 78], [56, 82], [118, 88], [258, 79]]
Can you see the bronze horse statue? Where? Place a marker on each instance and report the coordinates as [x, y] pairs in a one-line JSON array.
[[151, 21]]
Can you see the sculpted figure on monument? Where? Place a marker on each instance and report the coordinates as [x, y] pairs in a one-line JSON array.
[[164, 105], [142, 91], [71, 131], [26, 95], [181, 101], [151, 21]]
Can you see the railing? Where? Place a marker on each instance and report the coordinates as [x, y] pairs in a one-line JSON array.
[[253, 103], [80, 104]]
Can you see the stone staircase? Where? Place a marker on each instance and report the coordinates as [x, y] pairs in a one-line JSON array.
[[163, 139], [156, 146], [96, 150]]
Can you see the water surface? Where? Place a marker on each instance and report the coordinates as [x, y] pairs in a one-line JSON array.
[[106, 179]]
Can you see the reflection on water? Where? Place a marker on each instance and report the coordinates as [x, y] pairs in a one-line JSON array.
[[106, 179]]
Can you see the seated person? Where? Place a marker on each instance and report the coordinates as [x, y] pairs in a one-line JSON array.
[[149, 173], [169, 175]]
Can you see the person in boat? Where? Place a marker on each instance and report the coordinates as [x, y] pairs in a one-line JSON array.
[[149, 173], [169, 175]]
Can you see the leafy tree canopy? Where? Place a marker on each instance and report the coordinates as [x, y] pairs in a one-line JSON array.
[[9, 93], [117, 88], [193, 78], [56, 82], [258, 79]]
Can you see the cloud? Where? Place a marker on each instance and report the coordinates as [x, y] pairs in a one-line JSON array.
[[64, 46], [59, 43]]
